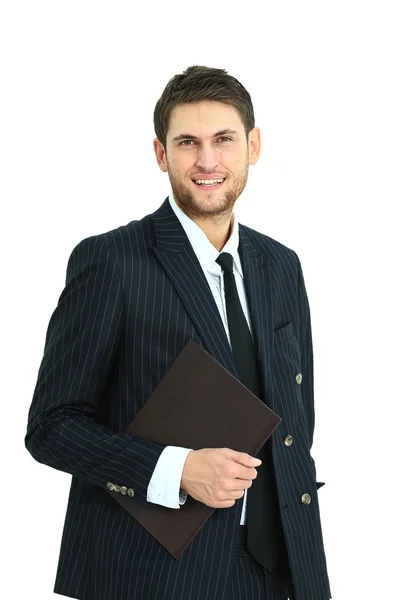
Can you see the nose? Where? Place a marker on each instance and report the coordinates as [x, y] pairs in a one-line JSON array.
[[207, 158]]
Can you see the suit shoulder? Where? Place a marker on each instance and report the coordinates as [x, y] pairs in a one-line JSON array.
[[268, 245], [131, 239], [110, 238]]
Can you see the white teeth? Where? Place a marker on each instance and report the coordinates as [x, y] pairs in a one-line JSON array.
[[209, 181]]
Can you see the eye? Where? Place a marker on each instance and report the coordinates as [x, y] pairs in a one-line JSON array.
[[221, 138]]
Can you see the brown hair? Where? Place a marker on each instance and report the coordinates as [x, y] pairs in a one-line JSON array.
[[199, 83]]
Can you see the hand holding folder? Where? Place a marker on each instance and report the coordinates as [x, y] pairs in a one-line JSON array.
[[198, 404]]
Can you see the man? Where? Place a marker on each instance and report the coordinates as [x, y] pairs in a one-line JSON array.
[[133, 298]]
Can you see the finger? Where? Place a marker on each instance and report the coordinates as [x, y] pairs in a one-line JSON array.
[[246, 473], [247, 460]]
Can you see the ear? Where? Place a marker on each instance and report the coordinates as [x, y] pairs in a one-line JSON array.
[[160, 155], [254, 145]]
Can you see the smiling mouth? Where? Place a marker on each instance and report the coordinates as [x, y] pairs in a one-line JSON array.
[[205, 186]]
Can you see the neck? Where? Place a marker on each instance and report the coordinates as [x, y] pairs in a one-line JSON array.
[[217, 233]]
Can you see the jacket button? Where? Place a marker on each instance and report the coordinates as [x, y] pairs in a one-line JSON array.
[[306, 498], [110, 486], [117, 488], [299, 378], [288, 440], [131, 493], [124, 489]]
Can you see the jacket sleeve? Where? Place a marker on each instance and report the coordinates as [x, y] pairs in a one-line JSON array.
[[81, 342], [307, 364]]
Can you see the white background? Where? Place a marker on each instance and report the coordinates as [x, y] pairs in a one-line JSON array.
[[79, 84]]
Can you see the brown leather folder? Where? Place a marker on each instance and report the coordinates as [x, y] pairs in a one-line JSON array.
[[198, 404]]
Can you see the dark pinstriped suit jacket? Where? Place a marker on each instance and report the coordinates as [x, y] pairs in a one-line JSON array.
[[133, 298]]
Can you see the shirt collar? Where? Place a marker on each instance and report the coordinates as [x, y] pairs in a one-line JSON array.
[[204, 250]]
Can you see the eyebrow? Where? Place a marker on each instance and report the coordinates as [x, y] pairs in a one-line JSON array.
[[188, 136]]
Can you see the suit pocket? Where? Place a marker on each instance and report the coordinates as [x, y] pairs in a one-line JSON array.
[[284, 333]]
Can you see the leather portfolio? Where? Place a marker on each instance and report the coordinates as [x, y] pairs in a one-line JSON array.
[[198, 404]]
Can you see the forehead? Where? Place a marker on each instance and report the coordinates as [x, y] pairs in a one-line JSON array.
[[203, 119]]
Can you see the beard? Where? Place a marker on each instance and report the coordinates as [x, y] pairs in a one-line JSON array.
[[214, 205]]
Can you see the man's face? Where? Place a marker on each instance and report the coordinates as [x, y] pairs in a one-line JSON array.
[[208, 153]]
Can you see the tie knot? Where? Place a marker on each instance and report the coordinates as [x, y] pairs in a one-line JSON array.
[[225, 261]]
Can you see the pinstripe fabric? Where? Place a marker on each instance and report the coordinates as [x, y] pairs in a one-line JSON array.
[[133, 298], [249, 581]]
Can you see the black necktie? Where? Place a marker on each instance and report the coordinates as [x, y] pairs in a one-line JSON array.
[[264, 534]]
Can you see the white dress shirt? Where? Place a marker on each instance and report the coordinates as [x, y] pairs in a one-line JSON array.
[[164, 487]]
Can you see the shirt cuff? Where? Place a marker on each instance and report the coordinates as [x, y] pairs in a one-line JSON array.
[[164, 487]]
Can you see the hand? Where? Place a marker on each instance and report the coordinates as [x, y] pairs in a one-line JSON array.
[[218, 476]]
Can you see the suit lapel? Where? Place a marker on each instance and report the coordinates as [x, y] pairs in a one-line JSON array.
[[257, 283], [178, 259]]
